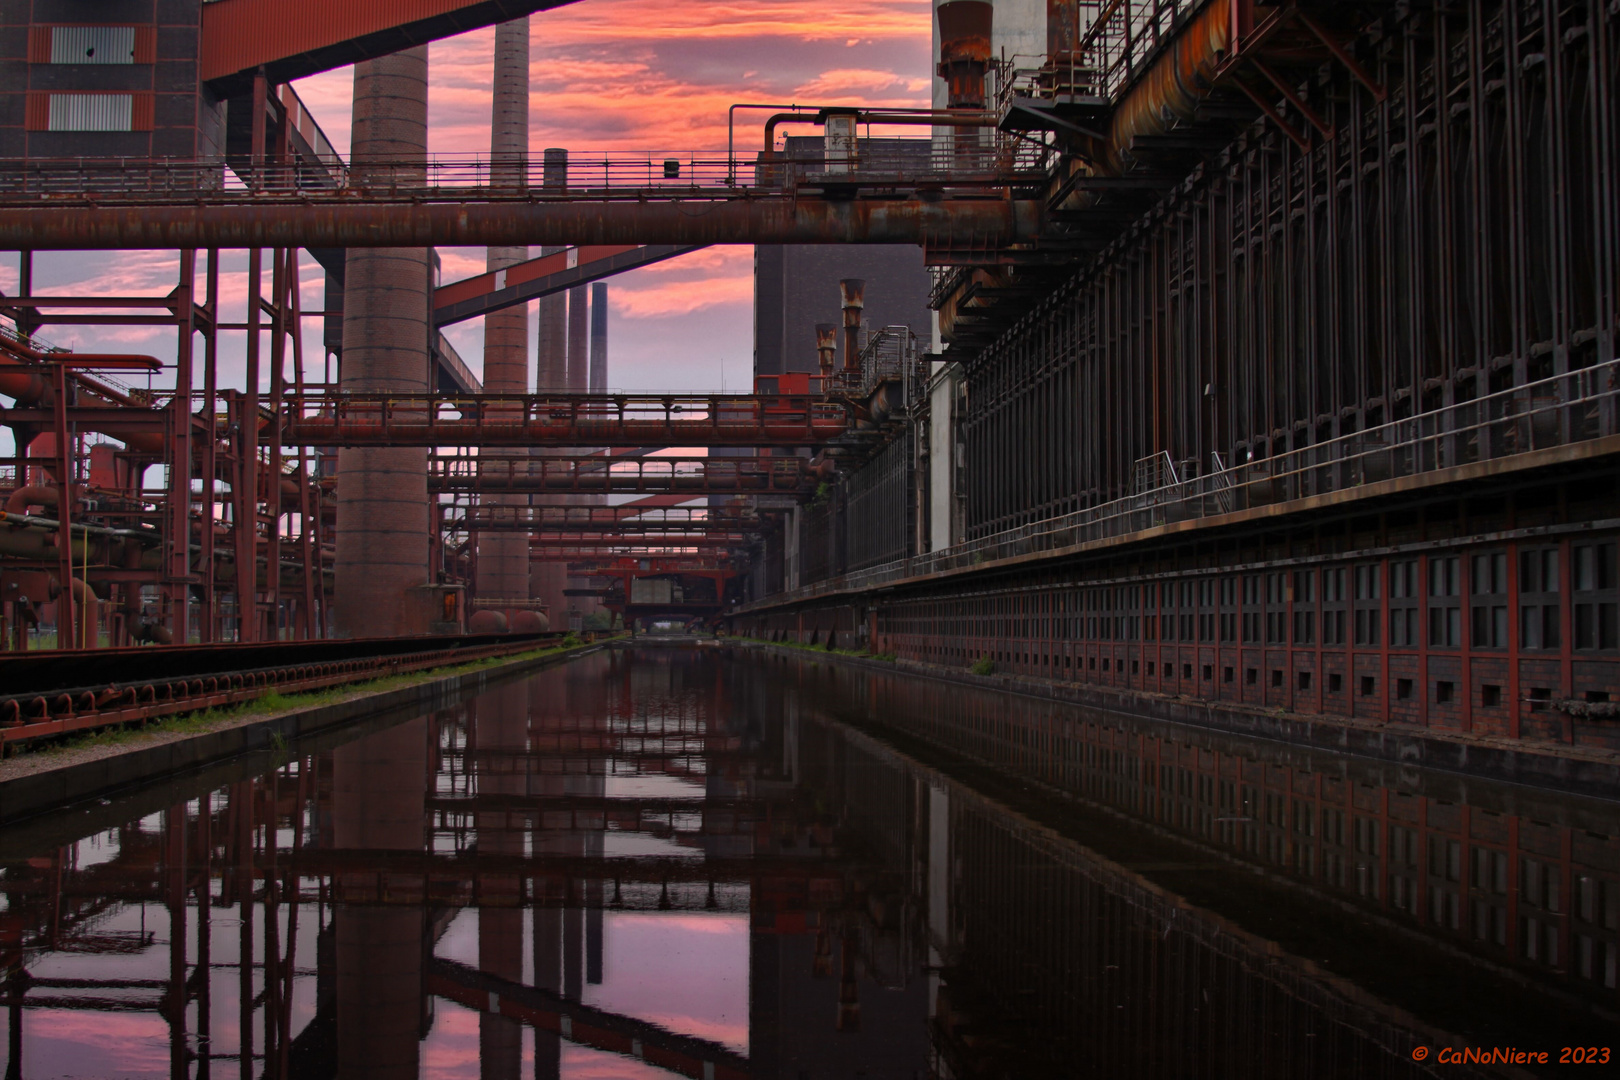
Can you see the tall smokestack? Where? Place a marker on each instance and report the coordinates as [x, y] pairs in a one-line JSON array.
[[546, 579], [579, 358], [382, 513], [551, 375], [503, 558], [599, 354]]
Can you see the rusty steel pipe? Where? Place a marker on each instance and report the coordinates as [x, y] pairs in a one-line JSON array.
[[945, 222], [852, 297], [967, 118]]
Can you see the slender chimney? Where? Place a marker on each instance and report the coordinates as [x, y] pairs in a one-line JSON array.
[[1062, 31], [852, 293], [599, 353], [826, 346], [579, 361], [964, 51], [503, 558]]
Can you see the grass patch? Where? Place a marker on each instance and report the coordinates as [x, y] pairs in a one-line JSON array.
[[983, 666], [273, 701]]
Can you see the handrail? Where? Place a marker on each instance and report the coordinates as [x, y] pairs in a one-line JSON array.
[[677, 174], [1577, 406]]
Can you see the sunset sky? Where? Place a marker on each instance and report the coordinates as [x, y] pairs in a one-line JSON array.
[[631, 76]]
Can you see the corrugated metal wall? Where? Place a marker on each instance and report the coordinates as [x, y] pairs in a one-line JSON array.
[[92, 44], [881, 506]]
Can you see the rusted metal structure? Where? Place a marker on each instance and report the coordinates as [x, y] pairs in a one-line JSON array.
[[1278, 369], [1317, 412]]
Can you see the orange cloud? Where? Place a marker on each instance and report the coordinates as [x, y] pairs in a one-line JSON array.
[[682, 297], [867, 82]]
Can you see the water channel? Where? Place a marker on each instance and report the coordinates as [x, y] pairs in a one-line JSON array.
[[730, 863]]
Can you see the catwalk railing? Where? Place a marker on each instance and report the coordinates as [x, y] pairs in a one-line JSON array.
[[450, 419], [505, 473], [1119, 38], [682, 175], [1579, 406]]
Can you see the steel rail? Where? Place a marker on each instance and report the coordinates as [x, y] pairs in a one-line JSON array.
[[45, 713], [495, 474]]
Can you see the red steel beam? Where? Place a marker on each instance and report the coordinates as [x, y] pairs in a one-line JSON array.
[[294, 38], [981, 222], [498, 289]]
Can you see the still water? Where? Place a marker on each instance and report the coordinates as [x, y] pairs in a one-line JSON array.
[[680, 861]]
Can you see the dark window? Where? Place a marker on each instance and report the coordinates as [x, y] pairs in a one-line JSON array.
[[1304, 607], [1445, 614], [1597, 605], [1539, 622], [1403, 689], [1490, 695], [1251, 676], [1276, 609], [1304, 680], [1226, 674], [1251, 612], [1276, 677], [1443, 691], [1488, 588], [1335, 683], [1403, 601], [1369, 686], [1333, 601], [1369, 611]]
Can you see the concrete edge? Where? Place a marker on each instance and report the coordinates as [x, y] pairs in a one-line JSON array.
[[1531, 766], [39, 793]]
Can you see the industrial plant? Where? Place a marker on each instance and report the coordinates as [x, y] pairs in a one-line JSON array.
[[1177, 479]]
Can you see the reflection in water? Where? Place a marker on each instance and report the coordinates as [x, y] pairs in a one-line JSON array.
[[668, 862]]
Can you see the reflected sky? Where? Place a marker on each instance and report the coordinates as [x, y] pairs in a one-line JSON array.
[[669, 862]]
